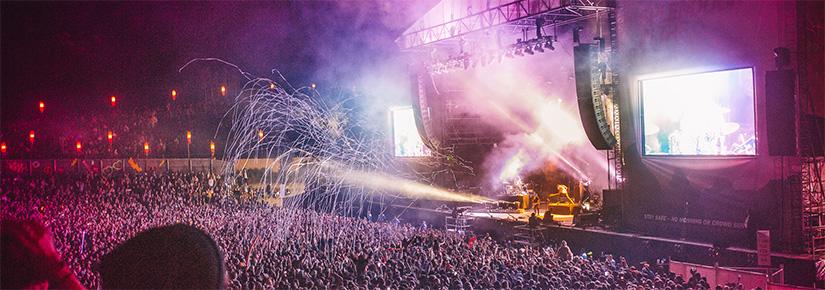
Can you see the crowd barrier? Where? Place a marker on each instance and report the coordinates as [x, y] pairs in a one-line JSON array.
[[52, 166], [751, 278]]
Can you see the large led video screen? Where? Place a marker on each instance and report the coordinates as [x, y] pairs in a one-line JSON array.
[[702, 114], [406, 141]]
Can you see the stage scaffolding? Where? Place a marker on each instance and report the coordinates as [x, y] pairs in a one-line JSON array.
[[453, 19], [810, 151], [813, 205], [459, 223]]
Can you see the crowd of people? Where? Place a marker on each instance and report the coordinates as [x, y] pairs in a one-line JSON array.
[[266, 247], [163, 128]]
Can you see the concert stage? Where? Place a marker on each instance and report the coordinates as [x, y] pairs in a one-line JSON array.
[[517, 216]]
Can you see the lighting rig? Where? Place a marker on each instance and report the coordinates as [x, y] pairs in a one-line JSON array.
[[480, 57]]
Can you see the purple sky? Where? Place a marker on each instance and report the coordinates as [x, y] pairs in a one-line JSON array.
[[71, 52]]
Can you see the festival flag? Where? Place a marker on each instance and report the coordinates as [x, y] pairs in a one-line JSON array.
[[134, 165], [90, 166]]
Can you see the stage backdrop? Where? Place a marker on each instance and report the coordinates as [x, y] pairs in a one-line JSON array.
[[701, 197]]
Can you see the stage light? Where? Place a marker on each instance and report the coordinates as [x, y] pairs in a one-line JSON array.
[[3, 148], [113, 100], [78, 146], [313, 86], [212, 148], [146, 148], [223, 91], [528, 50], [174, 95], [549, 44], [188, 137], [41, 106], [271, 86], [781, 57], [260, 134], [110, 137], [31, 136], [539, 48]]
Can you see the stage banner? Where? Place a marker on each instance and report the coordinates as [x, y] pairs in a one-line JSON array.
[[109, 166], [154, 164], [91, 166], [763, 248], [63, 165], [42, 167], [16, 166]]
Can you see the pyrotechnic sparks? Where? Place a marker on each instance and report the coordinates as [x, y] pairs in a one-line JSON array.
[[317, 152]]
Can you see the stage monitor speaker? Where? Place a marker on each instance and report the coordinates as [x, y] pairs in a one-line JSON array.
[[589, 95], [814, 128], [611, 205], [780, 106]]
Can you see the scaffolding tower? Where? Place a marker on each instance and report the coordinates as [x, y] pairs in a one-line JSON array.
[[810, 153]]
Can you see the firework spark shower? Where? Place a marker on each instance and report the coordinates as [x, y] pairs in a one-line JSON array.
[[317, 152]]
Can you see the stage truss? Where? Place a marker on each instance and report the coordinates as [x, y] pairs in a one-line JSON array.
[[811, 161], [521, 13]]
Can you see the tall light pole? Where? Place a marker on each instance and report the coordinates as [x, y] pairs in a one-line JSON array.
[[146, 153], [189, 142], [31, 144], [211, 150], [110, 137]]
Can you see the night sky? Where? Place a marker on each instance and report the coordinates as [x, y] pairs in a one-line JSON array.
[[70, 53]]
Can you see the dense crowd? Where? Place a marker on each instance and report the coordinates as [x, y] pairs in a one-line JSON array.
[[271, 247], [163, 128]]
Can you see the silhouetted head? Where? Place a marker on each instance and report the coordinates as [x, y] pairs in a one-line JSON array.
[[171, 257]]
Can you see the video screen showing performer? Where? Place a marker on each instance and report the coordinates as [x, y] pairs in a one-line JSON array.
[[700, 114]]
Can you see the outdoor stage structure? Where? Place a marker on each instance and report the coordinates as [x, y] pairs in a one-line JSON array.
[[708, 122]]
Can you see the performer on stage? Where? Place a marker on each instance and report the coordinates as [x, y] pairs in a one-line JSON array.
[[535, 201], [561, 195]]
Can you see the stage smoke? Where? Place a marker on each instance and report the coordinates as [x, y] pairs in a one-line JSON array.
[[533, 101]]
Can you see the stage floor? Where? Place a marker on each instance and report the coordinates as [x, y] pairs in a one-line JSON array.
[[518, 216]]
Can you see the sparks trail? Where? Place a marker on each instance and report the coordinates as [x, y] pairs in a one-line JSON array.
[[317, 152]]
